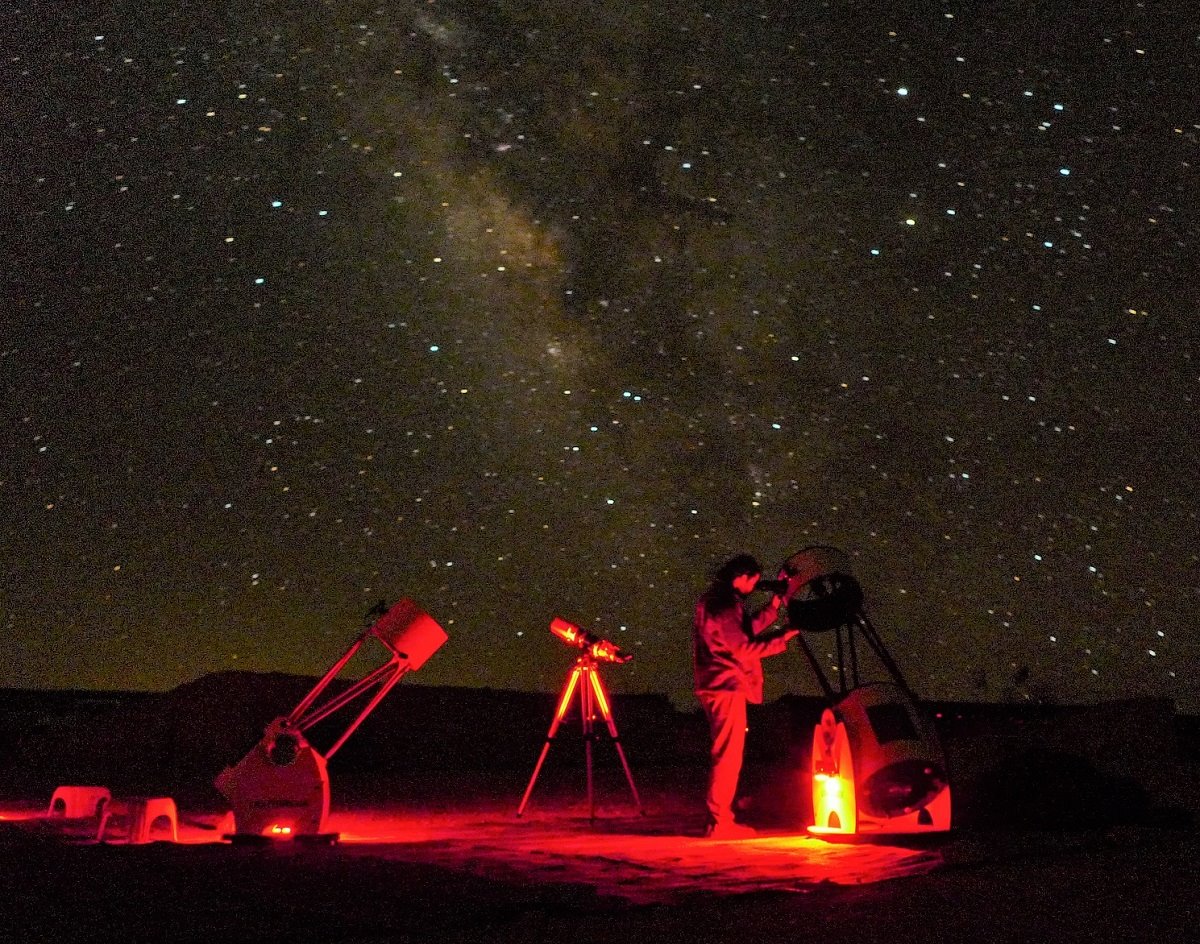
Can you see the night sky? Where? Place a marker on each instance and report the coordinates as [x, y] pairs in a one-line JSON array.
[[527, 308]]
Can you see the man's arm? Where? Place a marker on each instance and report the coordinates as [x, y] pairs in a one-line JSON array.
[[771, 642], [723, 634], [766, 616], [766, 641]]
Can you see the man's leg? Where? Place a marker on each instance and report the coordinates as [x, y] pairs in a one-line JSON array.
[[726, 713]]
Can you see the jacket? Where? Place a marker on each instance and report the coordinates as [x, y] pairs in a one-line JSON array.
[[728, 654]]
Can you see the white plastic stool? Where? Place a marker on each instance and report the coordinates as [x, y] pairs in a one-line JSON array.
[[140, 815], [79, 802]]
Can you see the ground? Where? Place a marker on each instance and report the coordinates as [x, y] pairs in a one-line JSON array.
[[1070, 826], [477, 873]]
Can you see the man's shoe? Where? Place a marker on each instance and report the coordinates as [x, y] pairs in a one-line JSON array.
[[729, 830]]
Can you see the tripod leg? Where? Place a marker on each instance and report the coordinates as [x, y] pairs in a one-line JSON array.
[[606, 713], [587, 710], [564, 702]]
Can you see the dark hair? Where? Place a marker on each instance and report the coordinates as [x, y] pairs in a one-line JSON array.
[[720, 594]]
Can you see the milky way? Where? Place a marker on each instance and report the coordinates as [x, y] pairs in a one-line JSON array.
[[527, 309]]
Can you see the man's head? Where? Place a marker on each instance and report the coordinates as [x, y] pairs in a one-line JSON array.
[[745, 583], [741, 573]]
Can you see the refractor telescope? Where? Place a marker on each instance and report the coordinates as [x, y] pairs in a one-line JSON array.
[[594, 704], [599, 649]]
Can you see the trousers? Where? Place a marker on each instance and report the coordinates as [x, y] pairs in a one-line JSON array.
[[726, 713]]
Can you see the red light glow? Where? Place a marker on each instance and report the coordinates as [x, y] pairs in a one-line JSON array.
[[567, 632], [599, 650], [835, 808], [878, 787], [633, 858], [833, 803], [605, 711], [605, 651], [564, 703]]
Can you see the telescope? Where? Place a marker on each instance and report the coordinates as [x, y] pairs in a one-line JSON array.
[[599, 649], [877, 764], [594, 702], [280, 789], [772, 586]]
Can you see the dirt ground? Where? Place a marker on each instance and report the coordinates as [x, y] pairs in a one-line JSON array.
[[480, 874], [1049, 845]]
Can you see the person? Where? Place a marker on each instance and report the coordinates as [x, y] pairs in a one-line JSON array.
[[728, 648]]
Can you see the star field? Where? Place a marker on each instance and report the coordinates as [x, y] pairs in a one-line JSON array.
[[533, 309]]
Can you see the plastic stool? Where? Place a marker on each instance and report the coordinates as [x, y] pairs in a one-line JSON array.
[[140, 814], [79, 802]]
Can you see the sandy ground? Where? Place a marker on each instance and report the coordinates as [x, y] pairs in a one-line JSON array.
[[480, 874], [438, 855]]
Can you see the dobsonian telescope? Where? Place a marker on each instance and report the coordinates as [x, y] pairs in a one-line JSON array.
[[877, 764], [280, 789]]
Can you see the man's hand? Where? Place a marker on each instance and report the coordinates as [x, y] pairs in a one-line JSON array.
[[793, 584]]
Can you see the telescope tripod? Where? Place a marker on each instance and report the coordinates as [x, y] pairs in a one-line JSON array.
[[593, 699]]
